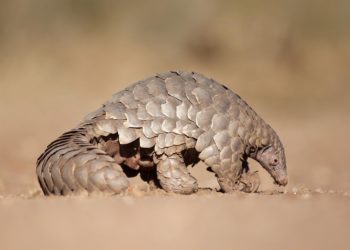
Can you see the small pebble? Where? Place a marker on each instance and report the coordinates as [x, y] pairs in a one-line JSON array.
[[306, 196], [128, 200], [319, 190]]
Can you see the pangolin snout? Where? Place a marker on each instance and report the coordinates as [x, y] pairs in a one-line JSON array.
[[282, 181]]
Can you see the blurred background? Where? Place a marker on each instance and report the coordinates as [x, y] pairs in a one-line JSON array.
[[289, 59]]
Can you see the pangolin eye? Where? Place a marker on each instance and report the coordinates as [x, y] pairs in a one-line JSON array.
[[275, 161]]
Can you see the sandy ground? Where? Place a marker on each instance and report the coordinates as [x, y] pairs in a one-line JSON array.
[[201, 221], [288, 59]]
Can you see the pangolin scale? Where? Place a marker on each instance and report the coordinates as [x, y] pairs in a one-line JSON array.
[[151, 126]]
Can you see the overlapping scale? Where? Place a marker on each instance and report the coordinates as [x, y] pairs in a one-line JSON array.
[[168, 125], [202, 96], [182, 111], [175, 87], [204, 140], [115, 110], [222, 139], [169, 109], [128, 100], [142, 113], [156, 126], [204, 118], [154, 108], [108, 126], [192, 112], [156, 87], [140, 92], [220, 122], [126, 135], [146, 142], [132, 121]]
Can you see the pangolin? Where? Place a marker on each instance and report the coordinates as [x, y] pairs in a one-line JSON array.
[[161, 125]]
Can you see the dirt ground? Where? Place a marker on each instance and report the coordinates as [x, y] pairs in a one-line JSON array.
[[201, 221], [288, 59]]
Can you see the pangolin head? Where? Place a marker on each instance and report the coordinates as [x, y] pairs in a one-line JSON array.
[[273, 159]]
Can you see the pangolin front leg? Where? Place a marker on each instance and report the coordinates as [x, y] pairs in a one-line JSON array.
[[228, 174], [234, 178], [174, 177]]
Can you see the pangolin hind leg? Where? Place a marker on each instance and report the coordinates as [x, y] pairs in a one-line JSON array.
[[174, 177], [249, 182]]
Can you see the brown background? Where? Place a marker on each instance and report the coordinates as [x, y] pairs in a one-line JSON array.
[[289, 59]]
